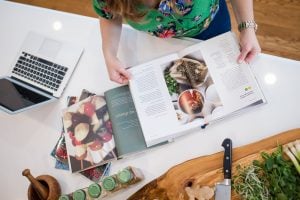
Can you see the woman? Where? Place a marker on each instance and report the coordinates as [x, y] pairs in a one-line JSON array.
[[201, 19]]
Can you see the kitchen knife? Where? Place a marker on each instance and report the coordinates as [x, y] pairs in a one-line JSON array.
[[223, 189]]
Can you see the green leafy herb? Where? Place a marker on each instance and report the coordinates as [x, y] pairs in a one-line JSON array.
[[249, 183], [172, 84], [282, 178]]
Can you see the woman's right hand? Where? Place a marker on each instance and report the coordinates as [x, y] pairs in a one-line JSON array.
[[117, 71]]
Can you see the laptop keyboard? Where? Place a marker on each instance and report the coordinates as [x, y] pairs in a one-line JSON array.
[[39, 70]]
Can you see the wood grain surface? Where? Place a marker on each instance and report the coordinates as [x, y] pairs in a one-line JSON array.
[[278, 22], [207, 170]]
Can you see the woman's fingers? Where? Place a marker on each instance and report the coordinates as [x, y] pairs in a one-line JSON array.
[[123, 76], [124, 73], [119, 78], [244, 53], [250, 56], [117, 71]]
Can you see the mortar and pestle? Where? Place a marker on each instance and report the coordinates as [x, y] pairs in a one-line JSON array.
[[43, 187]]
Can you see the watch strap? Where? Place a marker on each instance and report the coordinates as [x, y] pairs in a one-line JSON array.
[[247, 24]]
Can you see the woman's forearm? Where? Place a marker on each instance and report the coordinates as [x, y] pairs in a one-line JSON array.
[[243, 10], [110, 33]]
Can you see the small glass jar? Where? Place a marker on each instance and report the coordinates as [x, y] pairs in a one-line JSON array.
[[94, 190], [64, 197], [79, 195], [109, 183], [125, 176]]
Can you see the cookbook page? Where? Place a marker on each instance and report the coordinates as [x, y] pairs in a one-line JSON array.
[[152, 102], [169, 96], [234, 82]]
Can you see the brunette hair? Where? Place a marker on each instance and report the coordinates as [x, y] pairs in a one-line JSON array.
[[128, 9]]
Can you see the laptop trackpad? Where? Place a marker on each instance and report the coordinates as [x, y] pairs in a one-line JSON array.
[[50, 48]]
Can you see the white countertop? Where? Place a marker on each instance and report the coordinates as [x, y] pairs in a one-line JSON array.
[[27, 138]]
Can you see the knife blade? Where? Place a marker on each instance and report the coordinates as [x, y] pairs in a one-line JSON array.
[[223, 189]]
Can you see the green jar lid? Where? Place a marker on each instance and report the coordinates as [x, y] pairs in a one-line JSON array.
[[64, 197], [94, 190], [124, 176], [109, 183], [79, 195]]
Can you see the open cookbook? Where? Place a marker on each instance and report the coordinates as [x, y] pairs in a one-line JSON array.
[[166, 98], [195, 86]]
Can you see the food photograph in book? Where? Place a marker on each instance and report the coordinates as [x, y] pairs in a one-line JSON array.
[[88, 133], [191, 88]]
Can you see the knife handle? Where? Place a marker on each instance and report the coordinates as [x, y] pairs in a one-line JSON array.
[[227, 144]]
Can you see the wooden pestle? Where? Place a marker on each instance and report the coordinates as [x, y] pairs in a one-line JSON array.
[[40, 189]]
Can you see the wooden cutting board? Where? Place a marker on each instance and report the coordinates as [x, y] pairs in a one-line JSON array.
[[207, 170]]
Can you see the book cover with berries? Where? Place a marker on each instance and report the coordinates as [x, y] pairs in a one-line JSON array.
[[88, 134]]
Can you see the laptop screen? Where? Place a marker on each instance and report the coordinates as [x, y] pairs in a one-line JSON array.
[[16, 97]]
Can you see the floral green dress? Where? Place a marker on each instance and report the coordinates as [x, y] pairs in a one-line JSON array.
[[186, 19]]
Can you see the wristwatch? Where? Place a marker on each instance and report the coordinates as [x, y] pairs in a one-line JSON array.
[[247, 24]]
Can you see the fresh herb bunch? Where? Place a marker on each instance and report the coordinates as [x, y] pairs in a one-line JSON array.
[[282, 178], [250, 183], [172, 84], [272, 178]]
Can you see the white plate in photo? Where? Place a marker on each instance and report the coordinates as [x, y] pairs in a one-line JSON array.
[[182, 117]]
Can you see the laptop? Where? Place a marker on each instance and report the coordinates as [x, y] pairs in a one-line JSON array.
[[39, 73]]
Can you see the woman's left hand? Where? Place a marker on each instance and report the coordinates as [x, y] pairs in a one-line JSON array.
[[249, 45]]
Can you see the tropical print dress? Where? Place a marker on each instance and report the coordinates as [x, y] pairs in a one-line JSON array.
[[186, 19]]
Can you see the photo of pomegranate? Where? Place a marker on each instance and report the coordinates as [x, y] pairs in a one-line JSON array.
[[191, 101]]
